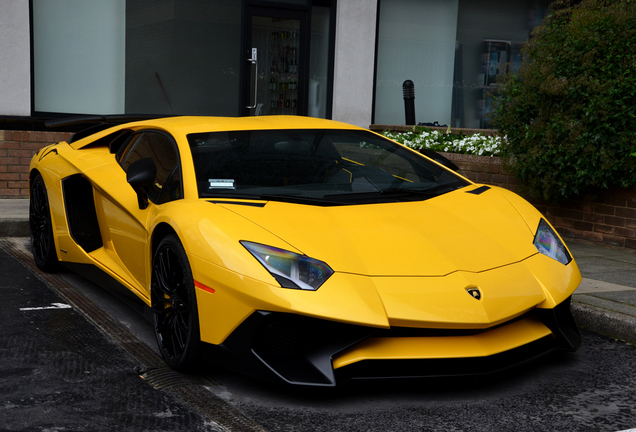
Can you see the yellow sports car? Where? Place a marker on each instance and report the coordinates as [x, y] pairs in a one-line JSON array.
[[302, 249]]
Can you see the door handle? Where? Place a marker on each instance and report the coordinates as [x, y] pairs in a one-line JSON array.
[[254, 63]]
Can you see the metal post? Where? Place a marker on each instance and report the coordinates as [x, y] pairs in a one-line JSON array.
[[408, 88]]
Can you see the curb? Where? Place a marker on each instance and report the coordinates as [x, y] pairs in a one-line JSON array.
[[606, 322], [14, 228]]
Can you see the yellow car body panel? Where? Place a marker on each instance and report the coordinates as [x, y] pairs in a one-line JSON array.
[[53, 167], [430, 238], [383, 302], [481, 345], [346, 298]]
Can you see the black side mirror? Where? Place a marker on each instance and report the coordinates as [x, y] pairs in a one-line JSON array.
[[439, 159], [141, 176]]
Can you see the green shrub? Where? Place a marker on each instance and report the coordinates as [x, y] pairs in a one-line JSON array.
[[422, 137], [569, 115]]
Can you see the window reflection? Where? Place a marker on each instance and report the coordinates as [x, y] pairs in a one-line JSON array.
[[453, 51]]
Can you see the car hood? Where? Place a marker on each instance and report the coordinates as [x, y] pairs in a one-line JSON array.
[[457, 231]]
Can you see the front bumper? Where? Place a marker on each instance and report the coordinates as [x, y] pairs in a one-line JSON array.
[[309, 351]]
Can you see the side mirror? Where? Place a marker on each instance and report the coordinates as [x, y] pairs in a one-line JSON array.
[[141, 176], [439, 159]]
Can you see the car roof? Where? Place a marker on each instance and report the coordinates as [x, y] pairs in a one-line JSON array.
[[198, 124]]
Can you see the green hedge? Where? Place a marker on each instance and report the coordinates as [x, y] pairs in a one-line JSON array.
[[569, 115]]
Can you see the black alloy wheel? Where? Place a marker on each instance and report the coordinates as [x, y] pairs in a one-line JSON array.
[[174, 306], [42, 242]]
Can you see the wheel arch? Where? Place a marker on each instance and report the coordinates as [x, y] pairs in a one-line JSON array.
[[162, 230], [32, 173]]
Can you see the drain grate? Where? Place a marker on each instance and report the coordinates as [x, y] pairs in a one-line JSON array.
[[165, 378]]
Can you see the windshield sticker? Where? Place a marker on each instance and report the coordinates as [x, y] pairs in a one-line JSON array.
[[220, 184]]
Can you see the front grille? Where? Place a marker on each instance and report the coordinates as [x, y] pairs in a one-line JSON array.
[[289, 334]]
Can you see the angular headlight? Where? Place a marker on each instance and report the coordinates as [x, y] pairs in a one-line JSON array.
[[290, 269], [548, 243]]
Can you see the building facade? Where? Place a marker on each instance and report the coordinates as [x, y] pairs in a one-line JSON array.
[[340, 59]]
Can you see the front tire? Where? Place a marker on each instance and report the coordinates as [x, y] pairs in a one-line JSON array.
[[42, 241], [174, 306]]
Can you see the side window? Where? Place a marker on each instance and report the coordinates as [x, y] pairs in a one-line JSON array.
[[163, 151]]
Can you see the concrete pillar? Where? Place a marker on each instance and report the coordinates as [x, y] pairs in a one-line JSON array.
[[354, 61]]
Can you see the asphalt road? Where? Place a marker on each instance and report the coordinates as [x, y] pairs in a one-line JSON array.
[[72, 369], [59, 372]]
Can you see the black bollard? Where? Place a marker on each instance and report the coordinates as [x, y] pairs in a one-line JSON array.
[[408, 88]]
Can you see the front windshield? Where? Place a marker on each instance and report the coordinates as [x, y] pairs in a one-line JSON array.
[[320, 166]]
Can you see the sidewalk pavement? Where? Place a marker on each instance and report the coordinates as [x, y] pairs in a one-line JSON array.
[[605, 302], [14, 218]]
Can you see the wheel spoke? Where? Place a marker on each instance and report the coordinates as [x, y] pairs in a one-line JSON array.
[[162, 313], [40, 222], [160, 273], [178, 333]]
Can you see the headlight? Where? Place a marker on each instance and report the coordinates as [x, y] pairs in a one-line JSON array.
[[548, 243], [290, 269]]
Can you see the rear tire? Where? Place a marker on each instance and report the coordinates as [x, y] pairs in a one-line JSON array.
[[174, 306], [42, 241]]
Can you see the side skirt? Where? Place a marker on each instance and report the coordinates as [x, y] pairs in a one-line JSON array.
[[105, 281]]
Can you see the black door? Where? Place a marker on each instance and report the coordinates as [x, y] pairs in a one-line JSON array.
[[275, 69]]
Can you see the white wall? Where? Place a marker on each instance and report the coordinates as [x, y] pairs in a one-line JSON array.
[[15, 52], [354, 62]]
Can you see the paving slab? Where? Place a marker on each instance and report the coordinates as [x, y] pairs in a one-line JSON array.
[[600, 263]]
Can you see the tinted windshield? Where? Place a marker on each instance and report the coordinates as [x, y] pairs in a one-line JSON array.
[[326, 167]]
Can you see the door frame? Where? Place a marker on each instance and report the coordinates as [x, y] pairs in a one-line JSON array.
[[301, 14]]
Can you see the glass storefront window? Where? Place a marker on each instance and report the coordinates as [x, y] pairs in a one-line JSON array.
[[319, 62], [489, 35], [416, 41], [452, 50], [179, 57], [137, 56], [183, 57], [79, 56]]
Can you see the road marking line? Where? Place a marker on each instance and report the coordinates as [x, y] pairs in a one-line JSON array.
[[53, 306]]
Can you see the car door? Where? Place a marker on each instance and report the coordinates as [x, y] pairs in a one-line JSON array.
[[127, 227]]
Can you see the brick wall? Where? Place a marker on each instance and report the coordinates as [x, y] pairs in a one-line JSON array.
[[484, 169], [16, 150], [608, 218]]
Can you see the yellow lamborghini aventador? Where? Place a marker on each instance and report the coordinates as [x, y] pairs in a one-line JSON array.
[[305, 250]]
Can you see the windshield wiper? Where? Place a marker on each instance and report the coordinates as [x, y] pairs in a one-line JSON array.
[[232, 195], [298, 199]]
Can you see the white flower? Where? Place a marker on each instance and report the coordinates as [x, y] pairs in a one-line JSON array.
[[475, 144]]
